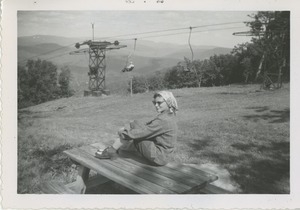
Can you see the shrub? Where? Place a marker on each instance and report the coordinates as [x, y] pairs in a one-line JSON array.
[[38, 83]]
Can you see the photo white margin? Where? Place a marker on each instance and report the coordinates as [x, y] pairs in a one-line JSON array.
[[12, 200]]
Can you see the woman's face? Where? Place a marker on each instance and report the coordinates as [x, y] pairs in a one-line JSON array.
[[160, 104]]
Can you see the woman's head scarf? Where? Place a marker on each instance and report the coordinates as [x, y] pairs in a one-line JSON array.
[[170, 100]]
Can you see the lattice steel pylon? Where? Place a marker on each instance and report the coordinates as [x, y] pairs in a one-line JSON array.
[[97, 63]]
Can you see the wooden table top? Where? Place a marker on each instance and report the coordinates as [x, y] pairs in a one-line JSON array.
[[133, 172]]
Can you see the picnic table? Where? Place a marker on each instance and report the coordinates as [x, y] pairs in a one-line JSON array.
[[134, 172]]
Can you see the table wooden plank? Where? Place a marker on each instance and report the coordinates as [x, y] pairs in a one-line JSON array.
[[185, 174], [105, 168], [192, 170], [134, 158], [143, 173], [85, 159], [168, 185], [187, 179]]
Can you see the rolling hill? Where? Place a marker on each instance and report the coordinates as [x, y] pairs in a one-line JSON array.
[[149, 57]]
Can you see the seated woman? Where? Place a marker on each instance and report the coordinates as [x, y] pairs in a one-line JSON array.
[[154, 140]]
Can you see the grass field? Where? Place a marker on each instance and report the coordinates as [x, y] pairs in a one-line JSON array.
[[239, 128]]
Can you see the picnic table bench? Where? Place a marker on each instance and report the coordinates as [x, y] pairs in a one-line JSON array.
[[134, 172]]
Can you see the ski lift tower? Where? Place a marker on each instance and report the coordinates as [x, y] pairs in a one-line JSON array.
[[97, 64]]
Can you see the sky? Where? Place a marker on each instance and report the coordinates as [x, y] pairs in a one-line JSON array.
[[114, 23]]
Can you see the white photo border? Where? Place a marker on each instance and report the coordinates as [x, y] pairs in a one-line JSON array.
[[12, 200]]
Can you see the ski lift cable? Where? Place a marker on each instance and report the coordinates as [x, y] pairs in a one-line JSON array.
[[62, 54], [74, 62], [46, 59], [136, 34], [171, 34], [140, 38], [166, 30], [45, 53]]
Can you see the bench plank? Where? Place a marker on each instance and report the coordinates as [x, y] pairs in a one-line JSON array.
[[136, 170], [105, 168], [135, 173], [176, 166], [192, 170], [186, 175], [189, 179]]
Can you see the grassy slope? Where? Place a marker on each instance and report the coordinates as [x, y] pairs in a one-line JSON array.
[[237, 127]]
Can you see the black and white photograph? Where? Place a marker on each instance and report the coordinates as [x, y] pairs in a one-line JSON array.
[[194, 102]]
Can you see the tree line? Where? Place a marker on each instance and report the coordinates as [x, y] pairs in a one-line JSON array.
[[39, 81], [264, 60]]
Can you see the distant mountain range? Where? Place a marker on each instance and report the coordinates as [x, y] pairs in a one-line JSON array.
[[149, 56]]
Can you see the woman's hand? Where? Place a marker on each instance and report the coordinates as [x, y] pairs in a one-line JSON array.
[[120, 133], [121, 129]]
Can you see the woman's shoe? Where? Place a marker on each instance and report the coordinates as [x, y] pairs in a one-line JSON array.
[[107, 153]]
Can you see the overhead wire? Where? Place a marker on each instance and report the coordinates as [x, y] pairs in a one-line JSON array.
[[166, 30], [48, 52], [56, 56], [143, 37], [45, 53], [219, 29]]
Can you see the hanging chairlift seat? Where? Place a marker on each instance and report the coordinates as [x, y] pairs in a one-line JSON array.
[[128, 68], [189, 67], [129, 65]]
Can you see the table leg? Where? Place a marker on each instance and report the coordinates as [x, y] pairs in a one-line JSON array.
[[81, 180]]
